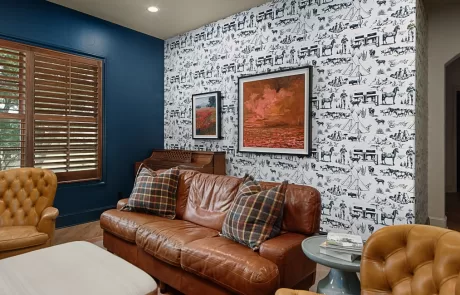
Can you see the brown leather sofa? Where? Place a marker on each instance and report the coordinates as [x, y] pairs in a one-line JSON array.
[[189, 255], [27, 218], [408, 259]]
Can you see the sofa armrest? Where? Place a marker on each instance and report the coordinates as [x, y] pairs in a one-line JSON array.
[[294, 292], [286, 252], [47, 222], [122, 203]]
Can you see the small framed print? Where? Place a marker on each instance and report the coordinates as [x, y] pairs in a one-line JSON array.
[[206, 117]]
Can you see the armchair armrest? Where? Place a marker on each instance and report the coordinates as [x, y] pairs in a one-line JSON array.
[[122, 203], [294, 292], [286, 252], [47, 222]]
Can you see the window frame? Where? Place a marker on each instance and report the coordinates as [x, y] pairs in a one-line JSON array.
[[28, 157]]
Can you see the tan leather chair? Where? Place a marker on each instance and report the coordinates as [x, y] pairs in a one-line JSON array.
[[27, 218], [408, 260]]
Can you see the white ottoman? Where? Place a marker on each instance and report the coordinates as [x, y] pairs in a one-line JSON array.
[[77, 268]]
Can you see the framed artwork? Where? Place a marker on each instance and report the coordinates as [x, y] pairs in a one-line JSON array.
[[206, 119], [274, 112]]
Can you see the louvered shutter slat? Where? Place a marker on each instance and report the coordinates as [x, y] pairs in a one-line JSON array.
[[50, 111], [66, 107], [12, 108]]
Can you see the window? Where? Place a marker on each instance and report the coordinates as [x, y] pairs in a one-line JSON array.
[[50, 112]]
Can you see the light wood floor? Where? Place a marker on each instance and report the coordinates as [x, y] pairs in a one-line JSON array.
[[89, 232], [92, 232]]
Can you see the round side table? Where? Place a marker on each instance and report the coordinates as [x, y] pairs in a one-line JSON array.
[[342, 278]]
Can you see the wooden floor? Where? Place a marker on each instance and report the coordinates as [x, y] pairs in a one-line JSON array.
[[92, 232]]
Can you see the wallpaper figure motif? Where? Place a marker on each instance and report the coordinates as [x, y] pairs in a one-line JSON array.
[[363, 54]]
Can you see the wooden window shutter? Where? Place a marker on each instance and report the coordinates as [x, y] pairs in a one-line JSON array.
[[67, 121], [50, 111], [13, 89]]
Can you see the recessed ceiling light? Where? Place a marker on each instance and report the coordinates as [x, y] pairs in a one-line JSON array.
[[153, 9]]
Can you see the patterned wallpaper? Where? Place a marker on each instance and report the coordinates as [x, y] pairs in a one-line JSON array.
[[363, 53], [421, 116]]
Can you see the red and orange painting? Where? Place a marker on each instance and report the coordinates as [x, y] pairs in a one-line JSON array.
[[206, 121], [274, 113], [205, 115]]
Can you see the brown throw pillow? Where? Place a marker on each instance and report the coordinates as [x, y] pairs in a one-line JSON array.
[[255, 215], [154, 193]]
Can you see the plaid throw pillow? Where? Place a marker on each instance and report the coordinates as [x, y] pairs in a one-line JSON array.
[[154, 194], [255, 215]]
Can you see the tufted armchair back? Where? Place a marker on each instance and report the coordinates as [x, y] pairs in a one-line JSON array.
[[411, 259], [24, 194]]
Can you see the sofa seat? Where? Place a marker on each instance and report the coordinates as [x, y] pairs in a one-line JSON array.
[[19, 237], [286, 252], [165, 239], [231, 265], [188, 255], [125, 224]]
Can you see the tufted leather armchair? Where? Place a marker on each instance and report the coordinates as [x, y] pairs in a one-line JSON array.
[[27, 218], [408, 260]]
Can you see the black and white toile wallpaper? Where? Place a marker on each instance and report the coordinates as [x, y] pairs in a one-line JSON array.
[[364, 88]]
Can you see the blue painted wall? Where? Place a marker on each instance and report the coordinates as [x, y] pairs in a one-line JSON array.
[[133, 102]]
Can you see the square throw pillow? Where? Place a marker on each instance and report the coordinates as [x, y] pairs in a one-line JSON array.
[[154, 193], [255, 215]]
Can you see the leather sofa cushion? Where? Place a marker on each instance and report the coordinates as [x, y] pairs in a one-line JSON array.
[[164, 239], [125, 224], [302, 208], [286, 252], [210, 197], [18, 237], [229, 264], [183, 189]]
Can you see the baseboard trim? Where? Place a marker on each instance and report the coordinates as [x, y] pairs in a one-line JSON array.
[[439, 222], [81, 217]]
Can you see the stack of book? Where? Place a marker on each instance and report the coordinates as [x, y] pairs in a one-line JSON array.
[[342, 246]]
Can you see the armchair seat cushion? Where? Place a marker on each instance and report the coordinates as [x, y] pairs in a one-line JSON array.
[[18, 237], [165, 239], [231, 265]]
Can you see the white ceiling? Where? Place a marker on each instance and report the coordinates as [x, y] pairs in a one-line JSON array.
[[175, 16]]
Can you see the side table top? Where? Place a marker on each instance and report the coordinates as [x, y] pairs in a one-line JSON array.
[[310, 247]]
